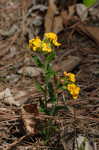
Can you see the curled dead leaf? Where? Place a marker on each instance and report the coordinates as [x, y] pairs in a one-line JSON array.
[[29, 112]]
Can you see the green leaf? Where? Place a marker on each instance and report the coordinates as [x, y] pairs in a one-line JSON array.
[[52, 95], [61, 108], [39, 87], [50, 57], [89, 3], [42, 107], [38, 61], [56, 108], [50, 72]]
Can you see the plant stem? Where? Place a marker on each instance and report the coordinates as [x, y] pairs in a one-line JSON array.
[[46, 97]]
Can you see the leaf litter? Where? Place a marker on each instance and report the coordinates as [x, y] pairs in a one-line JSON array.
[[20, 21]]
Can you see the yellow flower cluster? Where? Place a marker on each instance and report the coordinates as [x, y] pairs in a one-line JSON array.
[[46, 47], [74, 90], [50, 39], [68, 82], [71, 76], [35, 43]]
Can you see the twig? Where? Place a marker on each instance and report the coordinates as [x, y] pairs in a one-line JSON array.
[[15, 143]]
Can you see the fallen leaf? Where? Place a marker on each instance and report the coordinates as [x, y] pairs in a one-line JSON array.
[[89, 143], [71, 10], [14, 97], [94, 12], [82, 11], [49, 17], [58, 24], [67, 15], [80, 141], [30, 71], [94, 32], [91, 31], [29, 112], [7, 96], [68, 64], [35, 7]]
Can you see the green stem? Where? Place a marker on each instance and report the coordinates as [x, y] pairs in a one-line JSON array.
[[46, 83], [45, 97]]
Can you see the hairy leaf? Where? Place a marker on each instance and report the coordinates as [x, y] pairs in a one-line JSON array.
[[39, 87], [38, 61]]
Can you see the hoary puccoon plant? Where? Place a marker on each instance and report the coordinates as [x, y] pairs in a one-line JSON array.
[[43, 54]]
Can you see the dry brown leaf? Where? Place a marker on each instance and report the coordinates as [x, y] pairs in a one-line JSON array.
[[29, 112], [94, 12], [69, 64], [71, 10], [67, 144], [58, 24], [30, 71], [66, 15], [49, 18], [94, 31], [14, 97], [91, 31]]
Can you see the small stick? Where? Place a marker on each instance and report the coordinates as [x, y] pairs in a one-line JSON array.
[[16, 142]]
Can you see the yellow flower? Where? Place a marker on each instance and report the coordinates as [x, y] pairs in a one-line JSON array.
[[65, 73], [34, 48], [56, 43], [52, 37], [30, 44], [35, 43], [46, 48], [70, 76], [74, 90]]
